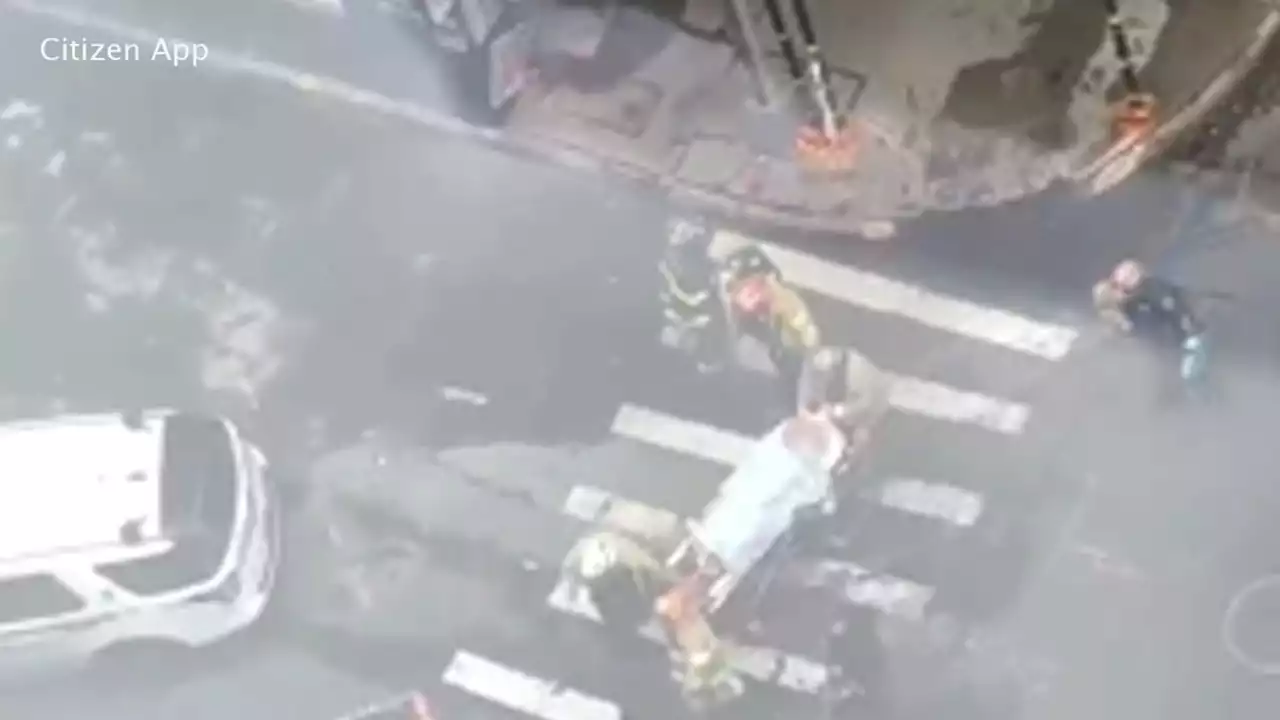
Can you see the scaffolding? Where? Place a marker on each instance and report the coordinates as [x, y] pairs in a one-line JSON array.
[[825, 139]]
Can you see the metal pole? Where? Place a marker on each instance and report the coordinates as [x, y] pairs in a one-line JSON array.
[[1120, 43], [754, 54], [795, 68], [819, 78]]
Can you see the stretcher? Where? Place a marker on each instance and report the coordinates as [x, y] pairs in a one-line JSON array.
[[787, 474]]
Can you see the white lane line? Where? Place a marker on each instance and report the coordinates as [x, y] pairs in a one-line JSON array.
[[764, 665], [682, 436], [938, 501], [328, 7], [890, 595], [934, 400], [876, 292], [913, 396], [940, 402], [594, 506], [525, 693]]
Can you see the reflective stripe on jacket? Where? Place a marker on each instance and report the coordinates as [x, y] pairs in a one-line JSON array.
[[790, 318]]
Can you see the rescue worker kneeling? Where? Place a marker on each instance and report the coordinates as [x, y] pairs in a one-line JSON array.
[[621, 578], [700, 661], [692, 305]]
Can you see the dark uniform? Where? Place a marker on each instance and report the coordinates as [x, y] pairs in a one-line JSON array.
[[1161, 311], [692, 305]]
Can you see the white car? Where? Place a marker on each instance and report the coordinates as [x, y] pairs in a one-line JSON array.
[[128, 532]]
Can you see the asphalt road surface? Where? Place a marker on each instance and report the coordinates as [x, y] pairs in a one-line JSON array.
[[334, 278]]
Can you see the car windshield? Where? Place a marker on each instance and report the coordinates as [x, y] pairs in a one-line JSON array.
[[198, 504]]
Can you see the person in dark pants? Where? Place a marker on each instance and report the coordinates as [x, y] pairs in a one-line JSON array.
[[623, 604], [692, 304], [859, 667]]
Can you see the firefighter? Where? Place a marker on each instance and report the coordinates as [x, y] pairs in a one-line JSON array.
[[1131, 299], [767, 309], [692, 306], [621, 578], [700, 661]]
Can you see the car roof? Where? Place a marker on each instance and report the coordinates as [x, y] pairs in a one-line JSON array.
[[70, 485]]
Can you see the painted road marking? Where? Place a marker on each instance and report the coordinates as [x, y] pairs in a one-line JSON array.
[[933, 400], [909, 395], [940, 402], [600, 507], [526, 693], [938, 501], [682, 436], [328, 7], [890, 595], [876, 292], [1236, 639], [764, 665]]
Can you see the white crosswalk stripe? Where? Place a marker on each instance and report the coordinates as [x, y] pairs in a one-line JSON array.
[[943, 504], [527, 693], [886, 295], [328, 7]]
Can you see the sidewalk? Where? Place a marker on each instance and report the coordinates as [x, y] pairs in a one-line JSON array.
[[1196, 81], [964, 106]]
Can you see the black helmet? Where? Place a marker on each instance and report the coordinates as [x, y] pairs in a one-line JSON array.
[[748, 261]]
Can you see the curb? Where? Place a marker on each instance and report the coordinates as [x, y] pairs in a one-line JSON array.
[[1109, 169], [1122, 160], [547, 149]]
